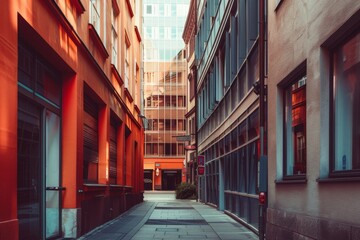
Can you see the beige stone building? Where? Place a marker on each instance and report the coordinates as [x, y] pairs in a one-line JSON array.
[[313, 119]]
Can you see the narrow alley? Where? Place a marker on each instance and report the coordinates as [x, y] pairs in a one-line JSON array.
[[161, 216]]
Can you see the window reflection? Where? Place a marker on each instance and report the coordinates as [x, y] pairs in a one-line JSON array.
[[295, 128], [346, 94]]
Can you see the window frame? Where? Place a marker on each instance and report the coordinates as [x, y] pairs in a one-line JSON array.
[[95, 17], [333, 48], [295, 76], [127, 62], [114, 39]]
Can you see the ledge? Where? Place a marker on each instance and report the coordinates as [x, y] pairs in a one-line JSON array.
[[128, 95], [131, 12], [93, 187], [137, 109], [291, 181], [79, 6], [137, 33], [117, 188], [97, 40], [116, 74], [338, 179], [116, 7]]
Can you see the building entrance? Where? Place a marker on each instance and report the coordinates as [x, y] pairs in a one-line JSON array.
[[170, 179], [38, 172], [148, 179], [38, 148]]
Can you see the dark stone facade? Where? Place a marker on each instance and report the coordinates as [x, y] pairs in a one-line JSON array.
[[282, 225]]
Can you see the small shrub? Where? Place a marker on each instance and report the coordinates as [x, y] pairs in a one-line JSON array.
[[185, 191]]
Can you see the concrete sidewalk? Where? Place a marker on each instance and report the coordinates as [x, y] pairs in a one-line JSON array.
[[164, 217]]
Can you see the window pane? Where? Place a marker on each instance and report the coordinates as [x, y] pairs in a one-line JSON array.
[[295, 127], [47, 83], [254, 125], [242, 133], [347, 100]]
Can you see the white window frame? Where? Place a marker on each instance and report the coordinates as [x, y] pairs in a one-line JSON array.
[[127, 64], [114, 39], [95, 16]]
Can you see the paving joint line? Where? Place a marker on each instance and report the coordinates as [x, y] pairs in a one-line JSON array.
[[132, 233], [207, 221]]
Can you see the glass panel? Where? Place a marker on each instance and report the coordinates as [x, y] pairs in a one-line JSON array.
[[234, 139], [242, 86], [47, 84], [242, 170], [254, 125], [242, 133], [295, 127], [254, 212], [52, 139], [253, 166], [253, 75], [347, 100], [234, 168], [25, 67], [29, 174], [244, 208]]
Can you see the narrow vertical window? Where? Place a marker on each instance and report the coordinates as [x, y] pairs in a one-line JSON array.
[[94, 16], [295, 128], [114, 39], [127, 63]]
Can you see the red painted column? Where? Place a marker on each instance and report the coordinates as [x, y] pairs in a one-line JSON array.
[[70, 140], [8, 121]]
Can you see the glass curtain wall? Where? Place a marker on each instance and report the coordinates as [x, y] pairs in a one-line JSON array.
[[165, 76], [226, 87]]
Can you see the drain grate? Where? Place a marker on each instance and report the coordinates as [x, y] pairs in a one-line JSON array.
[[176, 222]]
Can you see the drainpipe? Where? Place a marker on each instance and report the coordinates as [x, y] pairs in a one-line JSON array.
[[263, 116], [195, 164]]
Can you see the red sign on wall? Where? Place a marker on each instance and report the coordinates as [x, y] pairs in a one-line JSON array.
[[201, 170]]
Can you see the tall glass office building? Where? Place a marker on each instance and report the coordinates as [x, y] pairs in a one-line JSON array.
[[165, 90]]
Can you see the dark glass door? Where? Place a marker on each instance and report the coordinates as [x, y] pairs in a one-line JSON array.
[[29, 170], [170, 179], [39, 189]]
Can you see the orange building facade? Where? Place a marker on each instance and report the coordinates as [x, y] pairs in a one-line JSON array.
[[71, 135]]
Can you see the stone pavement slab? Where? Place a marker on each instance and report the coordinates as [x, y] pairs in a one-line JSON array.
[[169, 219]]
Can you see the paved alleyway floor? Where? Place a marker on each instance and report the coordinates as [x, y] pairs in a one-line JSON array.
[[161, 216]]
